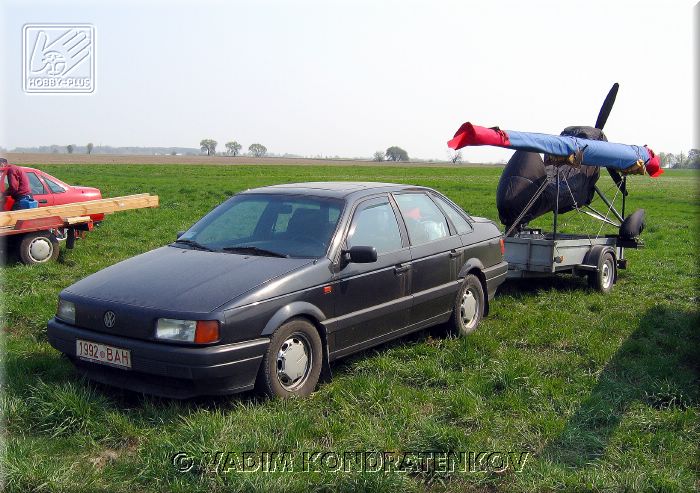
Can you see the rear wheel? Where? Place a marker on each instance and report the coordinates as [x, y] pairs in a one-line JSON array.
[[38, 248], [292, 363], [469, 307], [604, 278]]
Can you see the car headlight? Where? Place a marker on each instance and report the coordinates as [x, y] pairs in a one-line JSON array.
[[198, 331], [66, 311]]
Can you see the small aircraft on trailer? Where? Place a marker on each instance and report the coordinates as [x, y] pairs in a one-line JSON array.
[[565, 180]]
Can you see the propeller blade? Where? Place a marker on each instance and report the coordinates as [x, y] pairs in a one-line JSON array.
[[607, 106], [617, 178]]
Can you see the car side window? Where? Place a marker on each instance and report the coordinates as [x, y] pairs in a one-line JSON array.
[[53, 186], [35, 184], [424, 221], [375, 225], [460, 223]]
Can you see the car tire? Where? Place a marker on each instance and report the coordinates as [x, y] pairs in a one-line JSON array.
[[38, 248], [292, 363], [603, 278], [468, 308]]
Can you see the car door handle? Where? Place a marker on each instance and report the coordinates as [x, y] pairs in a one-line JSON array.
[[455, 254], [400, 269], [43, 201]]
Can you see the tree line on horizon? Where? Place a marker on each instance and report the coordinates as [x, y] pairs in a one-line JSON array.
[[691, 160], [233, 148]]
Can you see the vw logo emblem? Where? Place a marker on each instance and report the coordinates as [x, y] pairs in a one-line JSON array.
[[109, 319]]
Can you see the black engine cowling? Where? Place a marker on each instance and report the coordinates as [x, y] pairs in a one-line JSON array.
[[525, 173]]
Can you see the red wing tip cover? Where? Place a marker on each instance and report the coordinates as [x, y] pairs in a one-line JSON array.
[[654, 165], [473, 135]]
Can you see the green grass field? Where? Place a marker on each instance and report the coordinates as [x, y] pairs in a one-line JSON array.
[[602, 392]]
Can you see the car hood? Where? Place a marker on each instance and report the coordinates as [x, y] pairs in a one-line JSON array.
[[181, 279]]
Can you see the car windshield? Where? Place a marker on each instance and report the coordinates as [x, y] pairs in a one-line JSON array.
[[275, 225]]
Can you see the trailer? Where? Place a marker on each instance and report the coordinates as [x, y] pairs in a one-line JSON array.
[[35, 234], [558, 173], [532, 252]]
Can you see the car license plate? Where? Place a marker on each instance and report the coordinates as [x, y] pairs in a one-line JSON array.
[[102, 353]]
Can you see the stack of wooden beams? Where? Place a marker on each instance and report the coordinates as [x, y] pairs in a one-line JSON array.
[[77, 211]]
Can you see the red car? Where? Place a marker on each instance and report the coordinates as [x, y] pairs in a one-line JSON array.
[[49, 190], [37, 245]]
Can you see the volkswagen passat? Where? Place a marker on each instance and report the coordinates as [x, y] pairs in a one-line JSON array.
[[277, 282]]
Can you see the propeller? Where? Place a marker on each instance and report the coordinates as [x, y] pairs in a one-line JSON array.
[[607, 107], [600, 123]]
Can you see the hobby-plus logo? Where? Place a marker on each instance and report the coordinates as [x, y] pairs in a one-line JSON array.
[[59, 58]]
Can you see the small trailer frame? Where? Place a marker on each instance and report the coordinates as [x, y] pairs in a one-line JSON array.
[[534, 253]]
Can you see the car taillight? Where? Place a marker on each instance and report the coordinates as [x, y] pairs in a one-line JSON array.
[[503, 247]]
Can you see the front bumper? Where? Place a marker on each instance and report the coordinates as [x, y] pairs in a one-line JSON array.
[[165, 369]]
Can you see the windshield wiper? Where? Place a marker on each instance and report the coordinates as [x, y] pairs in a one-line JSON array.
[[254, 251], [194, 244]]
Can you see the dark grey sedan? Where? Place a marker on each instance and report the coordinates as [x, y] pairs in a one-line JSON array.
[[275, 283]]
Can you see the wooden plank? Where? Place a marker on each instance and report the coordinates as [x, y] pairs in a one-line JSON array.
[[78, 220], [101, 206]]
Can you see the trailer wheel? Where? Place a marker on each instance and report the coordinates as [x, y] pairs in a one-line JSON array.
[[38, 248], [604, 277], [468, 308]]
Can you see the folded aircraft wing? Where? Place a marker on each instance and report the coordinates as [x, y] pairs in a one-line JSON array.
[[623, 157]]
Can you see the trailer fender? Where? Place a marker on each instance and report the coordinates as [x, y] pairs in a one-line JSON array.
[[591, 262]]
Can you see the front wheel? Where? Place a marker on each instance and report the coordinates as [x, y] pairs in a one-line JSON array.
[[469, 307], [38, 248], [292, 363]]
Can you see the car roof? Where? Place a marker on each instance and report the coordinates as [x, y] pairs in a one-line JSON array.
[[335, 189], [26, 168], [35, 170]]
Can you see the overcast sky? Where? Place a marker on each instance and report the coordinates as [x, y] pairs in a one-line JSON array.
[[348, 78]]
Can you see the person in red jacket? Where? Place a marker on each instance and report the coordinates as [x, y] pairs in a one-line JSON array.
[[17, 184]]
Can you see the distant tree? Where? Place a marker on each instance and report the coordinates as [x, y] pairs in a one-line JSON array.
[[680, 160], [665, 159], [89, 147], [173, 153], [233, 148], [395, 153], [257, 150], [378, 156], [456, 157], [70, 148], [694, 158], [208, 146]]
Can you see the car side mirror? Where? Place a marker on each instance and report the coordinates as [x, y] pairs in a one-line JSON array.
[[361, 254], [179, 234]]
